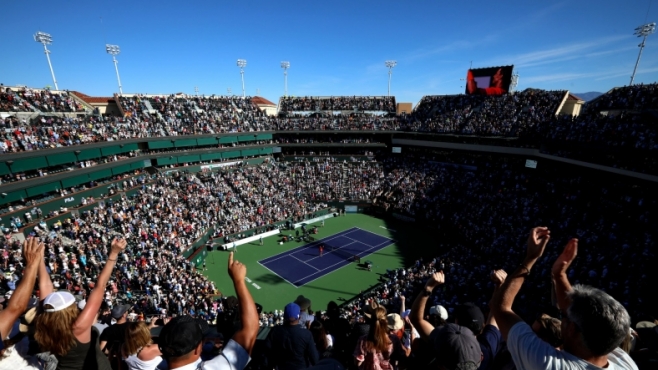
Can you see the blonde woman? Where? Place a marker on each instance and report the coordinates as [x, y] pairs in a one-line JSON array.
[[139, 352], [378, 350], [66, 332]]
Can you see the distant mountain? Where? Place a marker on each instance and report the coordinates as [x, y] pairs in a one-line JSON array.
[[588, 95]]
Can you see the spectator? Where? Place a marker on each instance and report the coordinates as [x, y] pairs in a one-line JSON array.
[[138, 351], [67, 333], [378, 349], [593, 323], [323, 342], [33, 251], [290, 346], [181, 339]]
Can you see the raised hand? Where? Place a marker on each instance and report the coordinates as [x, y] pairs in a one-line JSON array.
[[33, 251], [118, 245], [566, 258], [435, 280], [498, 277], [236, 270], [537, 240]]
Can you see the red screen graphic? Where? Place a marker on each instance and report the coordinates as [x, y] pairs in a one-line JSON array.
[[489, 81]]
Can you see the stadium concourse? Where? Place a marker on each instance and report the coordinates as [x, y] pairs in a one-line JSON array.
[[107, 219]]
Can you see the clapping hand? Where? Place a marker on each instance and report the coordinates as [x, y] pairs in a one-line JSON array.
[[435, 280], [498, 277], [537, 240], [566, 258], [118, 245], [33, 251]]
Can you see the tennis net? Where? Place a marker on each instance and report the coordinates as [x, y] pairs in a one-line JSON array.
[[348, 255]]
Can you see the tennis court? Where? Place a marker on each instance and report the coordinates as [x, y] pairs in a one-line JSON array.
[[304, 264]]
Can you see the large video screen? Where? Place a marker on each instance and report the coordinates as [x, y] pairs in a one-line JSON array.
[[489, 81]]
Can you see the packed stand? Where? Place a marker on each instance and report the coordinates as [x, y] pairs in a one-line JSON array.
[[50, 102], [479, 206], [9, 102], [624, 131], [505, 115], [338, 103], [636, 97]]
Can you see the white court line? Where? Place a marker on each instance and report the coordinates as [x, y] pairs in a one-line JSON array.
[[314, 268], [391, 242], [278, 275], [381, 236], [288, 252], [308, 246]]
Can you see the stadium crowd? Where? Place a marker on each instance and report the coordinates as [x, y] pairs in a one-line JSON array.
[[626, 122], [480, 206], [338, 103]]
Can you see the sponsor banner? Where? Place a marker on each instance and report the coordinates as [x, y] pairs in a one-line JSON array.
[[218, 165]]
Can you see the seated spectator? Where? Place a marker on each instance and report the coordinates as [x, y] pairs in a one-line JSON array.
[[181, 339], [593, 323]]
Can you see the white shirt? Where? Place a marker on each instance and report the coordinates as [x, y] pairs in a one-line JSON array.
[[531, 353], [233, 357]]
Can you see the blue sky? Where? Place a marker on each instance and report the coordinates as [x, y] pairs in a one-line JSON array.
[[334, 48]]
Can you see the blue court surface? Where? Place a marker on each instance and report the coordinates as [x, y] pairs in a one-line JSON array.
[[303, 264]]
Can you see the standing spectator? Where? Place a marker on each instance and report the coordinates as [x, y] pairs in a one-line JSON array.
[[291, 347], [593, 323], [181, 339], [376, 350], [305, 316], [138, 351], [67, 333], [33, 255], [113, 336]]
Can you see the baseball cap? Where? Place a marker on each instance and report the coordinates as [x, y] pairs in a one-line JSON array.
[[457, 347], [440, 311], [59, 301], [119, 310], [291, 312], [180, 336], [470, 316]]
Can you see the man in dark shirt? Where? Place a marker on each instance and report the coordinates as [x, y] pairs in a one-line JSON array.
[[291, 347], [115, 334]]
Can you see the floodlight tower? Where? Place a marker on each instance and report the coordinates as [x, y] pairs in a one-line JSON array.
[[242, 63], [114, 50], [285, 66], [46, 39], [390, 64], [642, 31]]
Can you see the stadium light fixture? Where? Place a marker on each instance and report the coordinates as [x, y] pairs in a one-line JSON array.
[[114, 50], [242, 63], [642, 31], [390, 64], [46, 39], [285, 66]]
